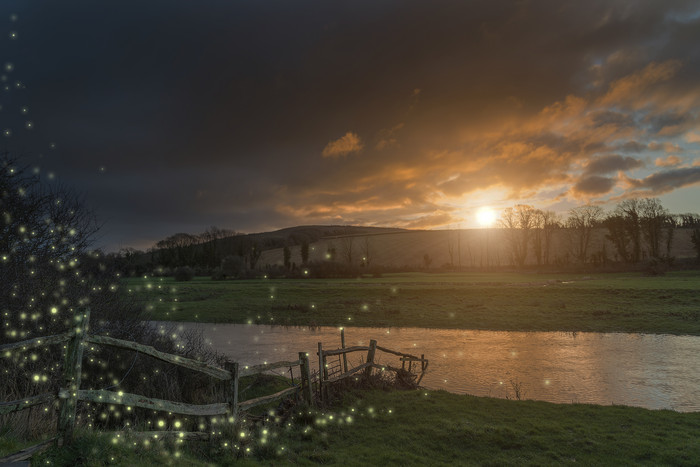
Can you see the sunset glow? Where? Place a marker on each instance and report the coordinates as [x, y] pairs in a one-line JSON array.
[[325, 119], [486, 217]]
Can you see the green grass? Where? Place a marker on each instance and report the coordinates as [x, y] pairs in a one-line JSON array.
[[616, 302], [431, 428]]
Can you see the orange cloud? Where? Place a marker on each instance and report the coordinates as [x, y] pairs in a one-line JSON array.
[[631, 87], [568, 147], [669, 161], [692, 137], [343, 146]]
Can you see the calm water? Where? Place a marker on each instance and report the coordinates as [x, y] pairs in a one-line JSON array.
[[645, 370]]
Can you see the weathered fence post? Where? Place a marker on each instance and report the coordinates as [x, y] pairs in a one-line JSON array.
[[325, 377], [345, 356], [320, 371], [231, 391], [370, 356], [72, 369], [305, 377]]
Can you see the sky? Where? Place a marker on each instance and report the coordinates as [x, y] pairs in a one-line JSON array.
[[173, 116]]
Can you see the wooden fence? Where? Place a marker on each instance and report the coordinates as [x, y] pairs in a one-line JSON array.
[[70, 393], [335, 371]]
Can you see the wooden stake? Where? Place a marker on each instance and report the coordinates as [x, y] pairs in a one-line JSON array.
[[320, 371], [305, 369], [370, 356], [342, 345], [71, 377], [231, 391]]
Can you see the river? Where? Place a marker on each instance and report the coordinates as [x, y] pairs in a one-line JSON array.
[[645, 370]]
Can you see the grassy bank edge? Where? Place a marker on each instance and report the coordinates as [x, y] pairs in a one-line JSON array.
[[430, 428]]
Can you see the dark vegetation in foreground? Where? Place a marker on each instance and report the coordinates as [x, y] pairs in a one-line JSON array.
[[612, 302], [428, 428]]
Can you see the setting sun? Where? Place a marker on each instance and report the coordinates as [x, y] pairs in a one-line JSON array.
[[485, 216]]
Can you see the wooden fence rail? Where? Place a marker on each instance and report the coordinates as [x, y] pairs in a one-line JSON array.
[[70, 393], [78, 339]]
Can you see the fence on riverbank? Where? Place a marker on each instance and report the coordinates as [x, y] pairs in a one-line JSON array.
[[338, 370], [75, 341]]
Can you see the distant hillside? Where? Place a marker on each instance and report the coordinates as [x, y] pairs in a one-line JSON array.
[[313, 233], [469, 248], [382, 247]]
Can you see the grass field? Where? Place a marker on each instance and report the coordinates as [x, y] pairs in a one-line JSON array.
[[610, 302], [428, 428]]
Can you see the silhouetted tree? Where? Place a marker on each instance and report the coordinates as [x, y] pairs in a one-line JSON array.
[[544, 224], [346, 245], [44, 234], [287, 253], [656, 225], [695, 239], [304, 252], [366, 251], [254, 254], [581, 222], [517, 223], [624, 230]]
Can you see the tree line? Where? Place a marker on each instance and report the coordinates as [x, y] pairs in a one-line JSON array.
[[637, 228]]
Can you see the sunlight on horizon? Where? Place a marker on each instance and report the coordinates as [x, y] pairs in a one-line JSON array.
[[486, 216]]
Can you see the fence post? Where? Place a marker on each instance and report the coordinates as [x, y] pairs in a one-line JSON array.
[[320, 371], [345, 356], [231, 391], [72, 369], [370, 356], [305, 377]]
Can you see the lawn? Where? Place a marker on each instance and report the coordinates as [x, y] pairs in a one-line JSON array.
[[427, 428], [609, 302]]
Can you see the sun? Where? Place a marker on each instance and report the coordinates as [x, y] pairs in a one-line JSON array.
[[485, 216]]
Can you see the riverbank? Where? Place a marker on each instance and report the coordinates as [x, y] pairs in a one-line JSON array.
[[428, 428], [607, 302]]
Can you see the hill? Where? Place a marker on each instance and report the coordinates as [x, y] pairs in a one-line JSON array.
[[467, 248]]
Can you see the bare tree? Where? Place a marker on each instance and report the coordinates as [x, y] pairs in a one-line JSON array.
[[544, 224], [254, 253], [624, 230], [287, 254], [346, 245], [210, 240], [451, 249], [44, 235], [366, 251], [518, 223], [581, 222], [304, 251], [695, 240], [656, 226]]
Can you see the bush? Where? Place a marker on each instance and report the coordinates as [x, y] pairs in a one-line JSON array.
[[183, 273], [217, 274], [233, 266]]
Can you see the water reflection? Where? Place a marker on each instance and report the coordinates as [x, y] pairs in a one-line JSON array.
[[652, 371]]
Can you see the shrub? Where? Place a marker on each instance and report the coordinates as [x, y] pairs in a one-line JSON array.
[[233, 266], [183, 273]]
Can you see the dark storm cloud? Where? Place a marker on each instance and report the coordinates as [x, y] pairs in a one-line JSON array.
[[611, 163], [222, 112], [593, 185], [632, 146], [665, 181]]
